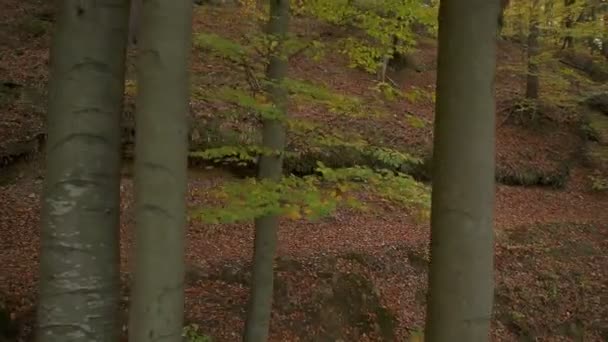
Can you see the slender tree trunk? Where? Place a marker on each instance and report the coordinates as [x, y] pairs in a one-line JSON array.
[[532, 82], [79, 260], [569, 23], [270, 167], [461, 270], [501, 15], [157, 296], [135, 20], [605, 38]]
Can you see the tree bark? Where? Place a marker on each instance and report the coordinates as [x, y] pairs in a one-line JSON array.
[[135, 20], [568, 23], [160, 170], [79, 258], [532, 82], [461, 270], [605, 38], [501, 15], [270, 167]]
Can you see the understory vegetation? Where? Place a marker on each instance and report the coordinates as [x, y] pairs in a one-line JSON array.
[[353, 198]]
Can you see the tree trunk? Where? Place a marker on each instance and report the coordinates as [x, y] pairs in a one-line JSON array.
[[532, 83], [461, 270], [160, 171], [135, 20], [79, 258], [501, 15], [569, 23], [270, 167], [605, 38]]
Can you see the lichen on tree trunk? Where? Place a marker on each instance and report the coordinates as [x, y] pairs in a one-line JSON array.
[[533, 49]]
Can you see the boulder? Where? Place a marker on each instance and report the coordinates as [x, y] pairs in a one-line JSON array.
[[598, 102]]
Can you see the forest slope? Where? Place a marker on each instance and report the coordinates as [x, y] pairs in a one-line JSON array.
[[354, 275]]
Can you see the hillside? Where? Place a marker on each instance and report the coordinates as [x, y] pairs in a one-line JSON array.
[[353, 276]]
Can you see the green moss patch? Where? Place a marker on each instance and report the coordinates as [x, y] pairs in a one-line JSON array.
[[542, 168], [528, 159], [213, 134]]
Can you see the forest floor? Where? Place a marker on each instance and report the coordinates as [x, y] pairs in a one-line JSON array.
[[352, 276]]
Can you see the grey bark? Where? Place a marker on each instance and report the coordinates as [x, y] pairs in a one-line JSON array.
[[79, 260], [160, 171], [269, 167], [533, 50], [461, 270], [135, 16]]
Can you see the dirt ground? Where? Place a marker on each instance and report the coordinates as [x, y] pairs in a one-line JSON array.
[[352, 276]]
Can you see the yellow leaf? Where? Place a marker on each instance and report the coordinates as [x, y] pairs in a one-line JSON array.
[[416, 337], [424, 215], [293, 212]]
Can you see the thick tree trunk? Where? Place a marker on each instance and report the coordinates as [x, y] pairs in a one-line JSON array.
[[461, 271], [532, 82], [79, 260], [160, 170], [270, 167]]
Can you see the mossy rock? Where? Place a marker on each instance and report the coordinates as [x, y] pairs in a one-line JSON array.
[[585, 62], [597, 155], [353, 303], [342, 157], [596, 127], [598, 102], [305, 162], [412, 61], [9, 93], [209, 134], [34, 27], [556, 177], [8, 328]]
